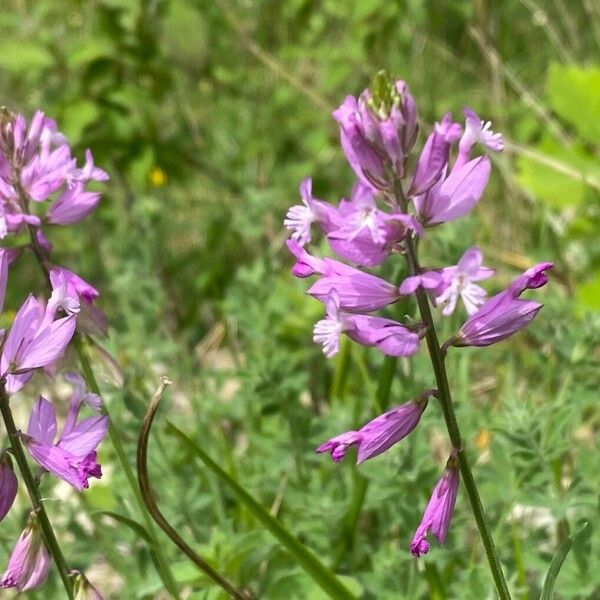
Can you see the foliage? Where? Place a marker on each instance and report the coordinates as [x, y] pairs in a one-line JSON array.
[[207, 115]]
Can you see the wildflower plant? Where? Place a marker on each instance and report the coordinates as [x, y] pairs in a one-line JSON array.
[[400, 197], [41, 187]]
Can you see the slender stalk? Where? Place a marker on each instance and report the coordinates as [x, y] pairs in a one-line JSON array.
[[34, 493], [445, 399], [146, 493]]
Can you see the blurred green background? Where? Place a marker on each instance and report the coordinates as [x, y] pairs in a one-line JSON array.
[[207, 114]]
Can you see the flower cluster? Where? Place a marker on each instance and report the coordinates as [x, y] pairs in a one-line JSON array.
[[389, 206], [41, 187]]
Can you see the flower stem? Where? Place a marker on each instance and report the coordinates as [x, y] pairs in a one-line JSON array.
[[34, 494], [445, 399]]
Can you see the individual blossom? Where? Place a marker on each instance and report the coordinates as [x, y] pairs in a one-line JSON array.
[[75, 286], [35, 340], [362, 249], [437, 516], [381, 433], [83, 589], [8, 484], [454, 195], [29, 562], [72, 205], [505, 313], [73, 456], [459, 281], [300, 217], [389, 336], [378, 130], [477, 131]]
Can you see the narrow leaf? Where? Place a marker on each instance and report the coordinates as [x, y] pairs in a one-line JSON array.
[[557, 561]]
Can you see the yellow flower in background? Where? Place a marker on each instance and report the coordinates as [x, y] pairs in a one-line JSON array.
[[157, 177]]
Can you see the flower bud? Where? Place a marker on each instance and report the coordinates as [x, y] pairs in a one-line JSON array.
[[29, 562]]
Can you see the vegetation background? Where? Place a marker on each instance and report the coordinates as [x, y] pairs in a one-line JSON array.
[[207, 114]]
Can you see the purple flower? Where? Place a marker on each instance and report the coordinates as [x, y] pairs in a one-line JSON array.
[[439, 510], [360, 292], [477, 130], [73, 457], [35, 340], [505, 313], [300, 217], [377, 132], [458, 281], [454, 196], [8, 484], [434, 156], [428, 280], [75, 285], [380, 434], [363, 250], [73, 205], [41, 158], [389, 336], [29, 562]]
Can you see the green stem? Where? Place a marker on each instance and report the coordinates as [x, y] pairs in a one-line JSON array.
[[445, 399], [34, 493], [115, 439]]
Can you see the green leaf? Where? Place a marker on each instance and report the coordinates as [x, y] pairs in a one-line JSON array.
[[321, 574], [574, 93], [133, 525], [557, 561]]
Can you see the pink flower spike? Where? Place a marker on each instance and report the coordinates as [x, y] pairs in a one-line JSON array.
[[439, 510], [29, 563], [380, 434], [8, 484]]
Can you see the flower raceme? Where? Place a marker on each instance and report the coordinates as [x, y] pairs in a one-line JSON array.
[[389, 207]]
